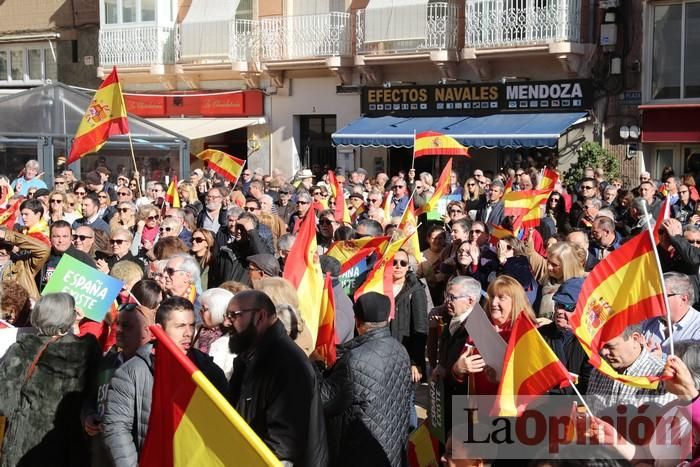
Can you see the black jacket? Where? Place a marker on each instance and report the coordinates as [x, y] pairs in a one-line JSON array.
[[231, 260], [450, 348], [567, 347], [410, 323], [687, 262], [275, 389], [367, 398]]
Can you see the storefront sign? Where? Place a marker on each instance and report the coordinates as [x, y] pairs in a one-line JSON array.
[[478, 99], [247, 103]]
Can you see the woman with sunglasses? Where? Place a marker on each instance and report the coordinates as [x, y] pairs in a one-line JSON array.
[[556, 212], [58, 208], [147, 230], [72, 204], [326, 229], [188, 197], [474, 198], [106, 210], [203, 250], [410, 323], [125, 217], [80, 190]]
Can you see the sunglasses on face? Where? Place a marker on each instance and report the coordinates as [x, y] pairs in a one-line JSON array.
[[325, 222], [198, 239], [476, 231], [124, 210], [285, 193], [123, 193], [171, 271], [103, 196], [398, 187], [471, 184], [250, 209], [302, 202], [152, 218], [373, 200], [59, 183], [585, 187], [80, 193], [316, 193], [400, 263], [116, 241], [82, 238], [56, 201], [165, 229], [570, 307]]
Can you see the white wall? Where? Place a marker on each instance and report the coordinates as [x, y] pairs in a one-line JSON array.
[[308, 96]]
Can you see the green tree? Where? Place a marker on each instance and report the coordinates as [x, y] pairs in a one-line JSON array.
[[592, 155]]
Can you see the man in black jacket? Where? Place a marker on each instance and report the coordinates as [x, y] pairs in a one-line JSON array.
[[561, 339], [367, 395], [60, 235], [274, 387], [232, 262]]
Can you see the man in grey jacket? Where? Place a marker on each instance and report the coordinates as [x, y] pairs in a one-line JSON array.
[[129, 394]]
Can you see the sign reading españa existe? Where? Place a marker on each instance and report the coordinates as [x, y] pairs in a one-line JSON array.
[[477, 98]]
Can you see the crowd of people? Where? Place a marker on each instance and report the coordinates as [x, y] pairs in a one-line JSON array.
[[209, 272]]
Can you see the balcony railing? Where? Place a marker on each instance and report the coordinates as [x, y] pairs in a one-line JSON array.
[[137, 46], [440, 31], [306, 36], [513, 23], [219, 41]]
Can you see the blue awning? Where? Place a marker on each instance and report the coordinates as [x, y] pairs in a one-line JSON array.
[[492, 131]]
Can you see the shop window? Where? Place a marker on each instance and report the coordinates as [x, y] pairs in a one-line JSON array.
[[675, 52]]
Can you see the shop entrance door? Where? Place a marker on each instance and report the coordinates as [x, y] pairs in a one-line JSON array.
[[317, 151]]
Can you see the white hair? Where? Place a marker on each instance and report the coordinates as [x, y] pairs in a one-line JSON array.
[[53, 314], [216, 300]]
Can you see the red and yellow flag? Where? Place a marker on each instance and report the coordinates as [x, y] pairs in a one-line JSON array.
[[105, 116], [526, 204], [508, 187], [549, 179], [409, 226], [499, 232], [172, 197], [623, 289], [224, 164], [327, 340], [191, 423], [431, 143], [40, 231], [351, 252], [342, 214], [8, 216], [358, 212], [303, 270], [441, 189], [379, 279], [423, 448], [530, 368], [387, 207]]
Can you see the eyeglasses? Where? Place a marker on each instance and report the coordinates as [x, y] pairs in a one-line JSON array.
[[586, 187], [103, 196], [56, 201], [232, 315], [398, 187], [453, 298], [400, 262], [476, 231], [693, 242], [152, 218], [316, 193], [283, 193], [123, 210], [82, 238], [116, 241], [59, 183], [80, 193], [570, 307], [171, 271], [250, 209], [471, 184], [123, 193], [302, 202], [455, 211], [325, 222], [198, 239], [165, 229]]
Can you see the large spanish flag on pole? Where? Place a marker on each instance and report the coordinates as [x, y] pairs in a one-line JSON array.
[[442, 188], [191, 423], [549, 179], [409, 226], [224, 164], [342, 214], [105, 116], [379, 279], [530, 368], [430, 143], [623, 289], [303, 270], [326, 340], [172, 197]]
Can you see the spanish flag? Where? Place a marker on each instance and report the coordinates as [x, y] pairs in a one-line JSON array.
[[172, 197], [498, 233], [379, 279], [40, 231], [342, 215], [327, 340], [549, 179], [224, 164], [526, 204], [441, 189], [623, 289], [191, 423], [430, 143], [303, 270], [387, 206], [8, 216], [105, 116], [508, 187], [351, 252], [409, 226], [423, 448], [530, 368]]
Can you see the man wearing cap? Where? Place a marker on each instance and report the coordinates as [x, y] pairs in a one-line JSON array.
[[560, 337], [306, 179], [261, 266], [367, 395], [284, 205], [357, 208]]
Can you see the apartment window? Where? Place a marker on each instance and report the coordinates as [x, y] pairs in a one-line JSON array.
[[23, 65], [128, 11], [675, 51]]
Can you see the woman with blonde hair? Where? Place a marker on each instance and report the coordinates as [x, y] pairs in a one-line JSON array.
[[474, 199], [188, 197], [125, 217], [58, 208], [203, 250], [564, 261]]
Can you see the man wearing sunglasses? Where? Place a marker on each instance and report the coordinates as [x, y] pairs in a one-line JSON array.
[[284, 205], [60, 236], [561, 339], [120, 245], [274, 387]]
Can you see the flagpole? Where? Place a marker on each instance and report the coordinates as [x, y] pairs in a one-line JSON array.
[[133, 158], [661, 274], [588, 409], [413, 159], [240, 175]]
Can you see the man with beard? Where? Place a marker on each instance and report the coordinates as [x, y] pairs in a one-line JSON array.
[[213, 216], [60, 236], [129, 396], [274, 386], [561, 339]]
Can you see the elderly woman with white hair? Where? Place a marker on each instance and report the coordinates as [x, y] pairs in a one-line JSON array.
[[43, 381], [211, 337]]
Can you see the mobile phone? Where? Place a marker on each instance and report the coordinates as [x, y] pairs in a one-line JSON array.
[[101, 255]]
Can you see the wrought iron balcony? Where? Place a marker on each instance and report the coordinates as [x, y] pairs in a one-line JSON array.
[[137, 46], [409, 33], [514, 23], [219, 41], [301, 37]]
